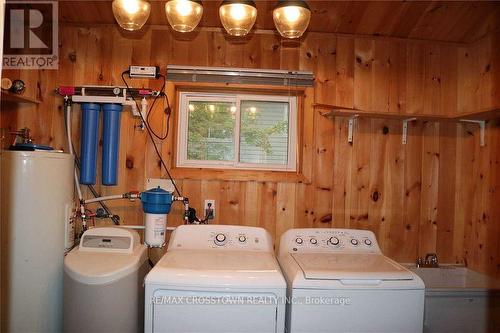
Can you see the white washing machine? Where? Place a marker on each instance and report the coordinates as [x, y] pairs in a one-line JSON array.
[[339, 281], [216, 278]]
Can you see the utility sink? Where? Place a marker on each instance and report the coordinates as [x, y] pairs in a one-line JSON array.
[[451, 277], [458, 299]]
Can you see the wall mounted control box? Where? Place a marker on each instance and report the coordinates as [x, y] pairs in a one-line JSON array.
[[149, 72]]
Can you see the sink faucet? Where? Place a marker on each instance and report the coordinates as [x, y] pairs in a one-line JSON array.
[[431, 260]]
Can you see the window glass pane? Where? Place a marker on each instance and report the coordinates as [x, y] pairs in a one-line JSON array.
[[211, 130], [264, 132]]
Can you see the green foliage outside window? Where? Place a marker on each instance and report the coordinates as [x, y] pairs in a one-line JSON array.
[[211, 130]]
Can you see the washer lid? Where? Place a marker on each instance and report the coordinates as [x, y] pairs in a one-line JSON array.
[[350, 266], [211, 268]]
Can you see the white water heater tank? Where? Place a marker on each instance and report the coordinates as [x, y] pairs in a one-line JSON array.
[[36, 203]]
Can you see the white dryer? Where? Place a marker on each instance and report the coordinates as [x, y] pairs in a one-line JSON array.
[[339, 281], [216, 278]]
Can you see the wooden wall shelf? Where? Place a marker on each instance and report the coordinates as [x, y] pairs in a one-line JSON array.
[[485, 114], [9, 97], [480, 117], [332, 111]]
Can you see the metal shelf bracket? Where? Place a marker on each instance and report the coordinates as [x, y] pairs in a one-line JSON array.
[[351, 129], [404, 139], [482, 128]]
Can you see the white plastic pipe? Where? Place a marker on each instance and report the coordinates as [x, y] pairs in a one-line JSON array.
[[133, 106], [137, 227], [105, 198], [142, 227], [72, 153], [144, 107]]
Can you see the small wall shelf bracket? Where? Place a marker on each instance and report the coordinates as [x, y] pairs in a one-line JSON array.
[[404, 139], [482, 128], [351, 129]]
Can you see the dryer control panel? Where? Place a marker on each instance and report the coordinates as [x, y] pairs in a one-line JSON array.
[[328, 240], [220, 237]]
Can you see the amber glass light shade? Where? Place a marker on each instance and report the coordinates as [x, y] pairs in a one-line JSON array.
[[131, 14], [238, 17], [291, 18], [183, 15]]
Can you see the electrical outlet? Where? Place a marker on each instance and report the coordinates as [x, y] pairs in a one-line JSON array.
[[209, 209]]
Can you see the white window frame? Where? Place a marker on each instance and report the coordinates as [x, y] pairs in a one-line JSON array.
[[182, 132]]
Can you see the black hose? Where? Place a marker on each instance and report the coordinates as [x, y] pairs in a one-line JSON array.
[[148, 130], [167, 111]]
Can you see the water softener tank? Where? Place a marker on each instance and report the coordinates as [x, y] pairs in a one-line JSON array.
[[36, 204], [103, 282], [88, 143], [110, 144]]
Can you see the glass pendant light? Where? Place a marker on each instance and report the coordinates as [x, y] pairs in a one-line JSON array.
[[238, 16], [291, 18], [131, 14], [183, 15]]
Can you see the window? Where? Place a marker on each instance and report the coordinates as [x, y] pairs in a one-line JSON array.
[[237, 131]]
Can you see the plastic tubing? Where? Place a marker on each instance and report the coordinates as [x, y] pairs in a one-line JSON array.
[[109, 197], [72, 153], [142, 227]]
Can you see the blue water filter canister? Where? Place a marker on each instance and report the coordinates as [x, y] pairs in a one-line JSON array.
[[88, 142], [111, 143]]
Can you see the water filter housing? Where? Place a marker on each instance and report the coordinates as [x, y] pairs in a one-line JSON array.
[[88, 142], [110, 143], [155, 229], [156, 204]]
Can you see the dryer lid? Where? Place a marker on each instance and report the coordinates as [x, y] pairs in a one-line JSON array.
[[349, 266]]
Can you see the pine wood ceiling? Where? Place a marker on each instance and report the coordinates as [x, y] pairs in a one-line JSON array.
[[454, 21]]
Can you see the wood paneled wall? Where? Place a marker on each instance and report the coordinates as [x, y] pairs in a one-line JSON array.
[[479, 74], [439, 193], [477, 196]]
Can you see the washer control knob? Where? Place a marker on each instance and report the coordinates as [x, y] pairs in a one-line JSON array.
[[334, 241], [298, 240], [368, 242], [242, 239], [313, 241], [220, 238], [354, 242]]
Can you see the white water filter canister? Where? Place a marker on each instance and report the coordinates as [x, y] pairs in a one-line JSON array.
[[156, 204], [156, 228]]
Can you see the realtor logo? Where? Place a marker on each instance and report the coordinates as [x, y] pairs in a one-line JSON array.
[[31, 35]]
